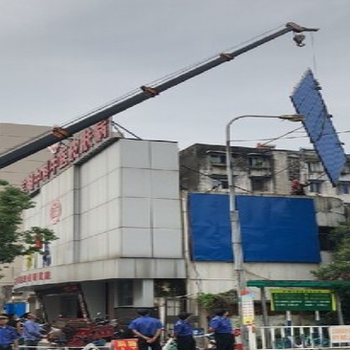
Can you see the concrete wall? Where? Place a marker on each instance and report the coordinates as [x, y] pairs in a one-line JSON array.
[[217, 277], [59, 190], [130, 202], [121, 203]]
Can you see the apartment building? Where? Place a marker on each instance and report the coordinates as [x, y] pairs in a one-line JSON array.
[[259, 171]]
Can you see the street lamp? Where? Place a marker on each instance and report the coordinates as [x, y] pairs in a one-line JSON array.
[[234, 218]]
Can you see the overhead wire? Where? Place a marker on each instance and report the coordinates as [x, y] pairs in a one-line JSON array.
[[314, 59], [279, 137], [291, 137], [117, 125]]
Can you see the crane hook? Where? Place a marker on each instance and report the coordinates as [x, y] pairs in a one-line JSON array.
[[299, 39]]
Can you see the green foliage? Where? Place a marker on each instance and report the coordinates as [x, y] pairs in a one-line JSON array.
[[211, 301], [13, 241], [339, 268]]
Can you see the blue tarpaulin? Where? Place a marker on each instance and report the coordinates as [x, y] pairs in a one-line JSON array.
[[274, 229]]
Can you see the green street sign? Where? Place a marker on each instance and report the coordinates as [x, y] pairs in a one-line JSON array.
[[302, 300]]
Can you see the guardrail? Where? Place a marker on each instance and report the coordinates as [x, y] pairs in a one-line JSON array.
[[300, 337]]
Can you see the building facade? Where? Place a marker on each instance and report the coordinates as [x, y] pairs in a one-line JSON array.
[[259, 173], [116, 211]]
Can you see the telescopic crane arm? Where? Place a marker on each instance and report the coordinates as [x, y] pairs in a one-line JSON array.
[[61, 133]]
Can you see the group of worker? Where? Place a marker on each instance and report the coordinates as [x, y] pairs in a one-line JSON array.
[[145, 328], [12, 331], [148, 330]]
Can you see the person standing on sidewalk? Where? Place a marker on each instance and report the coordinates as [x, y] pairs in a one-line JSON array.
[[183, 332], [221, 325], [8, 335], [147, 329], [31, 332]]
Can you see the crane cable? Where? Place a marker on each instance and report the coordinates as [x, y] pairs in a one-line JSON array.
[[280, 137]]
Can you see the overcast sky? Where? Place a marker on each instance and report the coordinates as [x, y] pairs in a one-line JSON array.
[[62, 58]]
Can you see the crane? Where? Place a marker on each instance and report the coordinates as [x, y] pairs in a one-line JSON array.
[[58, 133]]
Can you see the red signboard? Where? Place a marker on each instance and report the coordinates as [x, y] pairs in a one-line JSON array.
[[33, 277], [125, 344], [67, 154]]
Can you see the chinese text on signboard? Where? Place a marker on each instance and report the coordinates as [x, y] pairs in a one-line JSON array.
[[33, 277], [302, 300], [125, 344], [67, 154], [247, 307]]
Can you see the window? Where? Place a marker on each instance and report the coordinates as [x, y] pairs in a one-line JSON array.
[[346, 169], [326, 243], [125, 290], [315, 167], [169, 287], [220, 181], [70, 306], [315, 186], [259, 184], [343, 187], [218, 158], [259, 162]]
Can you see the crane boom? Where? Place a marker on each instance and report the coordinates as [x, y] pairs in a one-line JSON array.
[[61, 133]]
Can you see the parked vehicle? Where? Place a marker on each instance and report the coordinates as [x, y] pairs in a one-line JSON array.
[[80, 332]]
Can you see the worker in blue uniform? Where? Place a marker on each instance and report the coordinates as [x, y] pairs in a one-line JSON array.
[[147, 329], [8, 335], [221, 325], [31, 331], [183, 332]]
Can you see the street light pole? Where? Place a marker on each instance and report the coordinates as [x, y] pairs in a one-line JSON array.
[[234, 215]]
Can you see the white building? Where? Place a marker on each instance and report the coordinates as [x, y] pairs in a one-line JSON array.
[[116, 211]]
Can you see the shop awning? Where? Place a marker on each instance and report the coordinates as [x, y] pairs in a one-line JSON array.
[[302, 284]]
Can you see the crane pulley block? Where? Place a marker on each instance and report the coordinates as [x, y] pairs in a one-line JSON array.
[[60, 133]]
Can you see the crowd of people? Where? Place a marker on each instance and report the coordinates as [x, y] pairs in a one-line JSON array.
[[148, 330], [145, 328], [14, 332]]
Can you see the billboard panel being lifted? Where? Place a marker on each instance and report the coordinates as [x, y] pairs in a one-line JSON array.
[[308, 101]]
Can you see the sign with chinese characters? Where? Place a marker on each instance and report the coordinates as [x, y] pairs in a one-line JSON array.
[[339, 334], [247, 307], [67, 153], [302, 300], [33, 277], [125, 344]]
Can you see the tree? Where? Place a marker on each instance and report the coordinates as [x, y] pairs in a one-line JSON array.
[[338, 269], [224, 300], [13, 241]]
